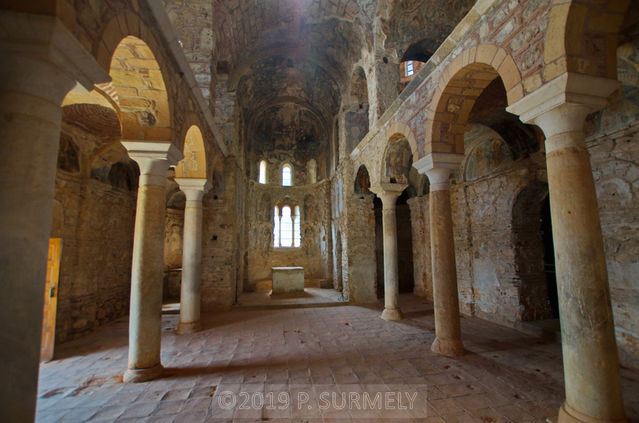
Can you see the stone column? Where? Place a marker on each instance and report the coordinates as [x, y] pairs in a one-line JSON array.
[[388, 193], [41, 62], [591, 364], [194, 189], [147, 271], [438, 167]]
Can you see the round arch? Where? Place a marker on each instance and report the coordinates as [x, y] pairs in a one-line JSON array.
[[194, 163], [461, 83], [397, 160], [362, 183], [129, 51], [569, 25]]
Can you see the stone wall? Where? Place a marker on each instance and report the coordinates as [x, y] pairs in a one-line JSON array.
[[489, 280], [362, 262], [95, 220], [616, 173], [222, 219], [422, 266], [314, 254]]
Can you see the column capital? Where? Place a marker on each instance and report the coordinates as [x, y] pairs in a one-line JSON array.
[[438, 167], [563, 104], [193, 188], [154, 159], [38, 48], [388, 192]]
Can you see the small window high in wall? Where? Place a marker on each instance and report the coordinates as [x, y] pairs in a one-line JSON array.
[[287, 175], [410, 70], [286, 227], [262, 175]]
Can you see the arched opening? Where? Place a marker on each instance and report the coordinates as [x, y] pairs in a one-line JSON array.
[[534, 253], [356, 113], [362, 181], [396, 168], [379, 247], [549, 257], [287, 226], [139, 84], [339, 282], [173, 243], [193, 165], [405, 276], [262, 172], [95, 198], [398, 160], [287, 175]]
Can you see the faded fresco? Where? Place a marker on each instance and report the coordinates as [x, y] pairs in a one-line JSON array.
[[486, 153]]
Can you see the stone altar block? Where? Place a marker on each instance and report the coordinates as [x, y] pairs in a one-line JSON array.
[[287, 280]]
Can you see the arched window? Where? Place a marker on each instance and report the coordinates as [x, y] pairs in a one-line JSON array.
[[297, 236], [287, 175], [276, 227], [410, 70], [262, 176], [286, 227]]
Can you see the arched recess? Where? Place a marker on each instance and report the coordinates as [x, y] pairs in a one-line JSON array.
[[194, 163], [362, 181], [356, 117], [583, 38], [534, 254], [397, 160], [138, 78], [95, 112], [462, 82], [486, 153], [396, 169]]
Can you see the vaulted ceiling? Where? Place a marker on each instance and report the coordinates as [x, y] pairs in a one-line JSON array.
[[302, 52]]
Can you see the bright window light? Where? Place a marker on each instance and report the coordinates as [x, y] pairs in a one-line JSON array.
[[262, 177], [287, 176], [409, 68]]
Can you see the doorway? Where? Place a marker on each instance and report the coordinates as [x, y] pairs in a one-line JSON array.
[[50, 299]]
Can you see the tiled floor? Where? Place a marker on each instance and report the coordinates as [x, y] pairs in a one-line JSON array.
[[299, 355], [310, 296]]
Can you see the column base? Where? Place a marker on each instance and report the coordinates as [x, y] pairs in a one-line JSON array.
[[185, 328], [392, 314], [142, 375], [569, 415], [447, 347]]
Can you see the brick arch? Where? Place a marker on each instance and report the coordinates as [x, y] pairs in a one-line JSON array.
[[392, 143], [400, 128], [139, 79], [582, 38], [460, 84]]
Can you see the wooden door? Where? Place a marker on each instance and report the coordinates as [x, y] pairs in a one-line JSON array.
[[51, 299]]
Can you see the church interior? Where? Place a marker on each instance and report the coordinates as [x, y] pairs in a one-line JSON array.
[[211, 201]]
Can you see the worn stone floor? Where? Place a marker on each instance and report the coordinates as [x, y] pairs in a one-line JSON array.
[[311, 296], [278, 364]]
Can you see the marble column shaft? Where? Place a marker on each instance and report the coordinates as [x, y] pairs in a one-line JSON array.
[[590, 358], [388, 193], [591, 364], [147, 272], [445, 296], [194, 189]]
